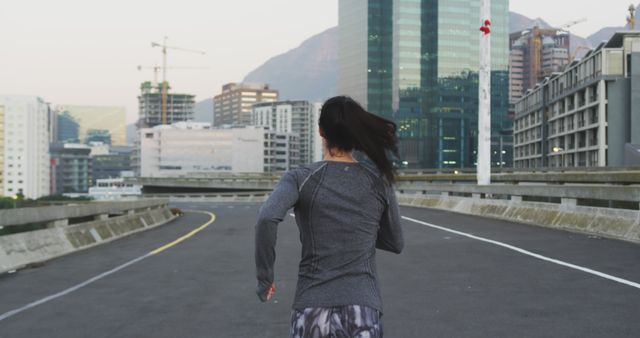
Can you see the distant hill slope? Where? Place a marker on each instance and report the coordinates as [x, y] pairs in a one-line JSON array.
[[519, 22], [607, 32], [604, 34], [203, 111], [309, 71]]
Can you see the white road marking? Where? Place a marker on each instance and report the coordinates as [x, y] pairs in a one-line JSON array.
[[529, 253], [110, 272], [292, 215], [71, 289]]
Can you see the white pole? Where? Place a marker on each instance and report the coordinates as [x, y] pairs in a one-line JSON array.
[[484, 109], [164, 82]]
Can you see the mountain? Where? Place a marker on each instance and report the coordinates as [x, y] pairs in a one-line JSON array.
[[604, 34], [519, 22], [607, 32], [308, 72], [203, 111]]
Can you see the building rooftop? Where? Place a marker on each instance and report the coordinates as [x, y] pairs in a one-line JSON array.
[[618, 38], [74, 146], [275, 103], [253, 86], [184, 125]]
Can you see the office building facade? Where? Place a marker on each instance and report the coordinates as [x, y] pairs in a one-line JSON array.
[[67, 128], [70, 168], [112, 163], [98, 135], [109, 118], [26, 146], [296, 117], [190, 148], [233, 106], [416, 62], [516, 74], [586, 116]]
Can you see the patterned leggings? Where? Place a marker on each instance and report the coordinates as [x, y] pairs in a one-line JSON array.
[[351, 321]]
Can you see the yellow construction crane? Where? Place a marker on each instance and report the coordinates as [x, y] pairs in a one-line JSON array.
[[568, 25], [631, 19], [164, 48], [565, 28], [157, 69]]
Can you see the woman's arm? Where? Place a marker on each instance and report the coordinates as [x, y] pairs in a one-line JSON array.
[[272, 212], [390, 233]]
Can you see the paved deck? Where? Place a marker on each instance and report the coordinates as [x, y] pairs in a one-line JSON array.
[[445, 284]]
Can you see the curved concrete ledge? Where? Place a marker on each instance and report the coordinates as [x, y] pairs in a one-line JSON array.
[[610, 223], [22, 249]]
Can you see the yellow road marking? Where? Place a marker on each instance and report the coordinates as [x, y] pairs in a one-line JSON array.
[[187, 236]]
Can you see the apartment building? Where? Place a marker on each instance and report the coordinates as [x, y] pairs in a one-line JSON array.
[[297, 117], [586, 116], [26, 146], [234, 105]]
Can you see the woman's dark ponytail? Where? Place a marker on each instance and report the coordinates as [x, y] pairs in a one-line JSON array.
[[347, 126]]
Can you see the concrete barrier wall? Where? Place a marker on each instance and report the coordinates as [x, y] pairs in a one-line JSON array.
[[13, 217], [605, 222], [26, 248]]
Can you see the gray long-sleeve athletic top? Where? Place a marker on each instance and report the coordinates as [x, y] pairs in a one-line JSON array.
[[344, 211]]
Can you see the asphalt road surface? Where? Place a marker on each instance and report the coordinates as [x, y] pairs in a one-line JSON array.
[[473, 277]]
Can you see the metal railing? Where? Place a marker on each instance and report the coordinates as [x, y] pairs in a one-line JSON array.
[[229, 196], [592, 175], [572, 194], [622, 175]]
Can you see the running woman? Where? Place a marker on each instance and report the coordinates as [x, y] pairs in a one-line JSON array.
[[344, 210]]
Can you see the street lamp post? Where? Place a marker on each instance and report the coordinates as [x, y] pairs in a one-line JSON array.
[[557, 150]]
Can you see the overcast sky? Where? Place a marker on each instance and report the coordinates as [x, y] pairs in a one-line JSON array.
[[87, 51]]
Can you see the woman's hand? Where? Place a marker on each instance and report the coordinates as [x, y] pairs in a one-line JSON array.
[[266, 295]]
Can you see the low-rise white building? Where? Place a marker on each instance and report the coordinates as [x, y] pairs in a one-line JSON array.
[[26, 146], [188, 148], [114, 189]]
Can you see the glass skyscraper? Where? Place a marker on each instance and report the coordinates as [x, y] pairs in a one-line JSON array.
[[68, 128], [416, 62]]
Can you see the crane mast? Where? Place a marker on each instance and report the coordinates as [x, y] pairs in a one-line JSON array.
[[164, 47]]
